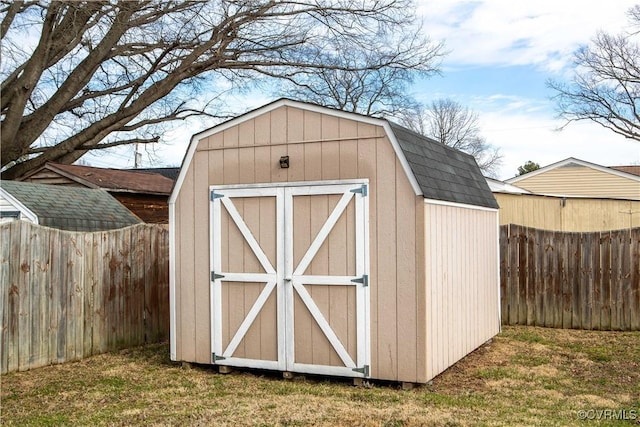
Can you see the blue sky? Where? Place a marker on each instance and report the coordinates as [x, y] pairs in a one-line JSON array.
[[501, 53]]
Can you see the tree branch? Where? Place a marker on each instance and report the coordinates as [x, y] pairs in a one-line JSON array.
[[107, 67]]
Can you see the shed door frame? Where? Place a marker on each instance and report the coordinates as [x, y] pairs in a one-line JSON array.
[[287, 280]]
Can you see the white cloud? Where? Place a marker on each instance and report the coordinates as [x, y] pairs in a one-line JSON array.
[[527, 136], [507, 32], [543, 33]]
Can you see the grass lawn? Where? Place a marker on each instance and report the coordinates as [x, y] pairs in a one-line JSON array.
[[526, 376]]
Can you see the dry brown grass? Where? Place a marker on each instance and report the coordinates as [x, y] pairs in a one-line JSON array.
[[526, 376]]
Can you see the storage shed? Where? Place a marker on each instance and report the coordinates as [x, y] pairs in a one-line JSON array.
[[307, 239]]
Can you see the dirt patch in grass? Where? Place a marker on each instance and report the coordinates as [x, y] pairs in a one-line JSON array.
[[525, 376]]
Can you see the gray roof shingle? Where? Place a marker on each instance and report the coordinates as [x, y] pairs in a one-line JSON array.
[[442, 172], [71, 208]]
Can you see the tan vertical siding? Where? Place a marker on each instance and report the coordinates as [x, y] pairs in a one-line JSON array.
[[386, 266], [338, 149], [186, 288], [406, 280], [201, 260], [461, 282], [581, 181], [568, 213], [421, 293]]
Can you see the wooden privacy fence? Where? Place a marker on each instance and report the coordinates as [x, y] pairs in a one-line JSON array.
[[570, 280], [67, 295]]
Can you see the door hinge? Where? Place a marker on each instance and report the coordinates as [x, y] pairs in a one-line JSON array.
[[215, 195], [215, 357], [215, 276], [364, 280], [362, 190], [364, 370]]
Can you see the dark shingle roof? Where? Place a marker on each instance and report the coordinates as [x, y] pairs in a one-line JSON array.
[[71, 208], [444, 173]]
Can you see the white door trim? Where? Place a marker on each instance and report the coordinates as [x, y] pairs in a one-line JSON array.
[[221, 197], [287, 279]]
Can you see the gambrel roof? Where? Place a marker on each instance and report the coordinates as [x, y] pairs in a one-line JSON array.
[[435, 171], [442, 172]]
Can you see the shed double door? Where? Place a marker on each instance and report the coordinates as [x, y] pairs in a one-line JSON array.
[[289, 279]]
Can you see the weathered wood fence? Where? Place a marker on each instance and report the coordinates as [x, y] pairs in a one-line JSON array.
[[67, 295], [570, 280]]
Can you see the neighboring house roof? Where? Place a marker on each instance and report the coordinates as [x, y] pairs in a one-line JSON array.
[[434, 170], [70, 208], [633, 170], [502, 187], [575, 177], [571, 161], [113, 180], [171, 173]]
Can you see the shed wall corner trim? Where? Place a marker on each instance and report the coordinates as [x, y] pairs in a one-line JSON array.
[[172, 281]]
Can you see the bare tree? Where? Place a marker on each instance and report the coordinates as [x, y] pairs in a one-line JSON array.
[[452, 124], [379, 91], [605, 88], [100, 74]]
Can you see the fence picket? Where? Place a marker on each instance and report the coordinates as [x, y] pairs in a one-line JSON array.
[[23, 284], [621, 272], [40, 263], [88, 248], [574, 275], [504, 267], [5, 256], [591, 255], [514, 263], [160, 289], [564, 264]]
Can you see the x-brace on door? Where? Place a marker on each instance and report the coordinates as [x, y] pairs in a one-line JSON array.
[[290, 277]]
